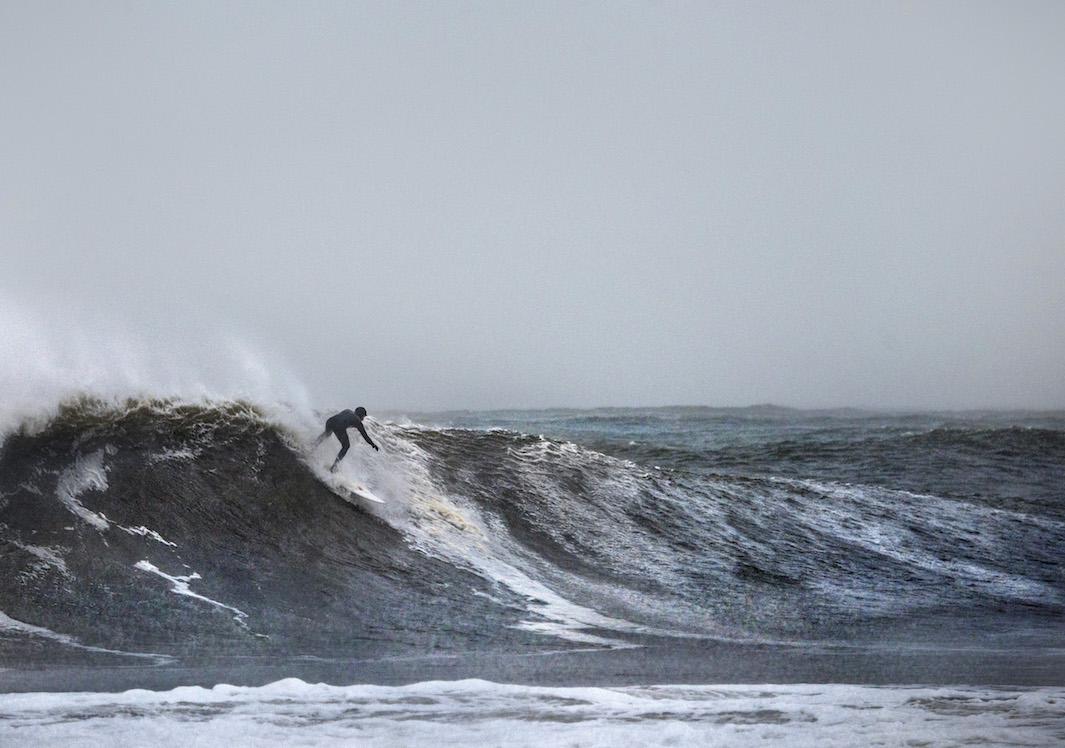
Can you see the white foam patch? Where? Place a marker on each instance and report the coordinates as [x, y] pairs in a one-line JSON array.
[[559, 617], [574, 631], [145, 532], [181, 587], [9, 625], [87, 473], [168, 455], [476, 712]]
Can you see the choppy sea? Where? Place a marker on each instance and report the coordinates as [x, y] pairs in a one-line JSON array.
[[180, 573]]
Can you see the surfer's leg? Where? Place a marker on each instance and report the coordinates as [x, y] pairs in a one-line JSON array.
[[345, 444], [321, 438]]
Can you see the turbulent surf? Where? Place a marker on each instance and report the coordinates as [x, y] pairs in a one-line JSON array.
[[174, 530]]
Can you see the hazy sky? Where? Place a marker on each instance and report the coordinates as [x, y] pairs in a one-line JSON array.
[[449, 205]]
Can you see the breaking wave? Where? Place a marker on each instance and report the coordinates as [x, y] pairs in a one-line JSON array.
[[174, 529]]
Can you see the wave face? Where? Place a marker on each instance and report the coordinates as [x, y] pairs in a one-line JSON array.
[[163, 529], [190, 529]]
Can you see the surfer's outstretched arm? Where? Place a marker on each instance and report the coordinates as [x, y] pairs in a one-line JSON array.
[[362, 430]]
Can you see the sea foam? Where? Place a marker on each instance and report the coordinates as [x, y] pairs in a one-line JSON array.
[[445, 713]]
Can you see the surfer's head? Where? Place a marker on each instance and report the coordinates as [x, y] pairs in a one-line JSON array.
[[360, 412]]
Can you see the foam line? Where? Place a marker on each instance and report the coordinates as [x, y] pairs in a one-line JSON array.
[[460, 713], [181, 587], [12, 625]]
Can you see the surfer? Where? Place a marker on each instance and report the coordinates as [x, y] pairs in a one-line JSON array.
[[339, 425]]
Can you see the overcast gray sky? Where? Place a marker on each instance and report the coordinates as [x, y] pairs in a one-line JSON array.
[[450, 204]]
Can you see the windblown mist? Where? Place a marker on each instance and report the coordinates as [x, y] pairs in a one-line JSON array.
[[444, 205]]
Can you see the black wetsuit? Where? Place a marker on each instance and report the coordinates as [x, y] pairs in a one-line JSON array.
[[339, 424]]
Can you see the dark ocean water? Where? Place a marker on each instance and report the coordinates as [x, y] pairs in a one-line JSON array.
[[786, 522], [163, 533]]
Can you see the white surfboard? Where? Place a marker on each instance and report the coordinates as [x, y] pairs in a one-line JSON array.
[[350, 490]]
